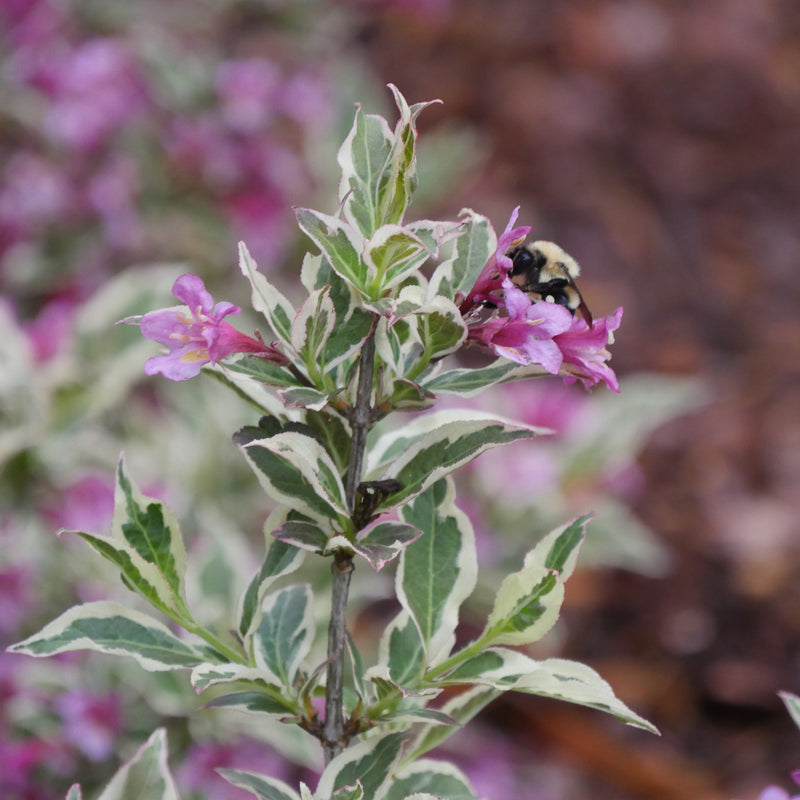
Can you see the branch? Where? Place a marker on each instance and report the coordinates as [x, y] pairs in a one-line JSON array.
[[335, 736]]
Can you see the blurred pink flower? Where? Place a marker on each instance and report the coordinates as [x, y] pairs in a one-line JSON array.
[[25, 762], [198, 767], [95, 90], [16, 595], [34, 193], [91, 722], [87, 504], [111, 193], [197, 334], [50, 332], [248, 90]]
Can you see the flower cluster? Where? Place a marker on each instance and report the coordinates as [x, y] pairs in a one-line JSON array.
[[501, 317]]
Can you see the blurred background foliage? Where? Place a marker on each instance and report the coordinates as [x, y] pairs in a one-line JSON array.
[[656, 142]]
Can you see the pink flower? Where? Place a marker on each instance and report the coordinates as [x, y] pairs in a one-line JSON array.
[[196, 334], [503, 318], [488, 287], [585, 353], [91, 722]]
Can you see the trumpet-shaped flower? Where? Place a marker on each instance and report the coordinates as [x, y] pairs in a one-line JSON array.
[[197, 333], [503, 318]]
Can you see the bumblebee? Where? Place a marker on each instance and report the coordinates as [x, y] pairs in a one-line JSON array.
[[545, 272]]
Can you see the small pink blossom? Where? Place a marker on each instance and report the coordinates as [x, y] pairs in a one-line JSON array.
[[503, 318], [197, 333]]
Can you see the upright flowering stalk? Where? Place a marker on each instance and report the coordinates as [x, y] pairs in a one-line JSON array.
[[503, 318], [197, 333], [371, 337]]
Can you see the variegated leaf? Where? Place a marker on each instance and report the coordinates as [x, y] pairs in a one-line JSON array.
[[470, 254], [281, 559], [391, 254], [438, 570], [362, 158], [286, 632], [311, 328], [206, 674], [528, 601], [462, 708], [145, 775], [434, 445], [349, 792], [146, 545], [297, 471], [261, 702], [109, 627], [468, 382], [431, 778], [441, 328], [370, 761], [266, 298], [261, 786], [265, 372], [303, 535], [792, 703], [339, 243], [577, 683], [305, 397], [383, 541], [401, 652]]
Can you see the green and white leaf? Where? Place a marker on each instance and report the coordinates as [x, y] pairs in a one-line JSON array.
[[347, 338], [303, 535], [392, 254], [471, 251], [577, 683], [281, 559], [74, 793], [462, 708], [286, 632], [792, 703], [145, 775], [469, 382], [261, 702], [297, 471], [311, 329], [206, 674], [383, 541], [441, 327], [371, 761], [430, 778], [434, 445], [109, 627], [437, 571], [349, 792], [261, 786], [528, 602], [305, 397], [146, 545], [339, 243], [278, 311], [266, 372], [435, 233], [401, 654], [363, 157]]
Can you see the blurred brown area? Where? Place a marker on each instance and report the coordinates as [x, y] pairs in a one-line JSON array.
[[659, 143]]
